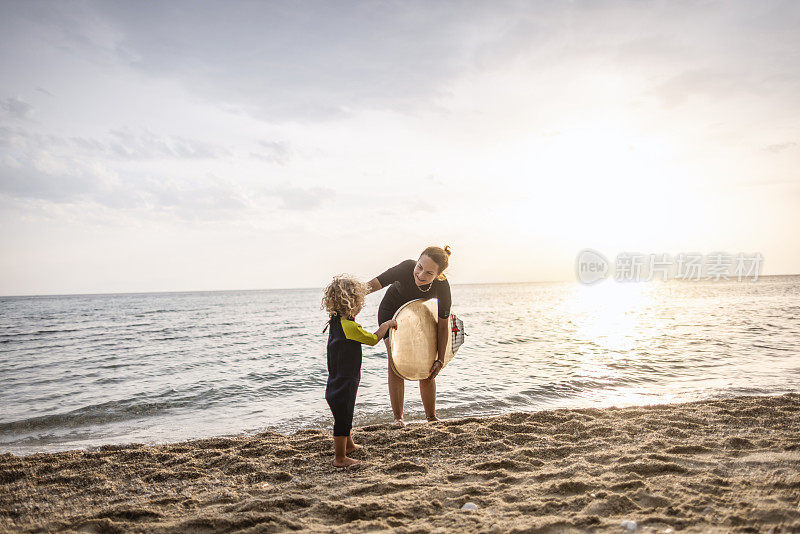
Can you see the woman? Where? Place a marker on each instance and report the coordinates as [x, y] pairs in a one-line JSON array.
[[410, 280]]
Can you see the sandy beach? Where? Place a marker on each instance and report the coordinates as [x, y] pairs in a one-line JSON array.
[[729, 465]]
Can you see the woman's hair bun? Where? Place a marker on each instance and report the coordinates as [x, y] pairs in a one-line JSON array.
[[447, 250]]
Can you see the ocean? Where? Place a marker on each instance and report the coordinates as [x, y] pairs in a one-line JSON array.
[[79, 371]]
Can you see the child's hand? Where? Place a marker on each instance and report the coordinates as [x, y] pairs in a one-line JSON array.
[[391, 323], [383, 329]]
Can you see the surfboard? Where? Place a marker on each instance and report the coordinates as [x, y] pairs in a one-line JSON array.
[[413, 343]]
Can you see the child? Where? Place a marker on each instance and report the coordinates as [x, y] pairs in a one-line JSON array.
[[344, 298]]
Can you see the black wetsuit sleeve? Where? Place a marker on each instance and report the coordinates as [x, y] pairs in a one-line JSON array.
[[398, 272], [445, 299]]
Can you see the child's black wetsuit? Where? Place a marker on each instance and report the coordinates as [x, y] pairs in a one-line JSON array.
[[344, 370]]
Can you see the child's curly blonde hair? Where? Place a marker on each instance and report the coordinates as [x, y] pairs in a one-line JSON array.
[[345, 295]]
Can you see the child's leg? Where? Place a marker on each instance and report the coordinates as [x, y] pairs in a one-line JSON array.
[[351, 407], [342, 404]]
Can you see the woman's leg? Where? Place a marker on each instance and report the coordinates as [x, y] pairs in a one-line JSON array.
[[340, 458], [427, 390], [396, 389]]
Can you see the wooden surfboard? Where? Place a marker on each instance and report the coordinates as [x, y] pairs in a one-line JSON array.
[[413, 343]]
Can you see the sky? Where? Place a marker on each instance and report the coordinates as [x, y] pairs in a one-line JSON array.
[[175, 146]]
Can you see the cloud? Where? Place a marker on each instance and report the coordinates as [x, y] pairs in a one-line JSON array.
[[120, 144], [15, 108], [301, 199], [277, 60], [7, 135], [44, 177], [44, 91], [71, 170], [78, 182], [126, 144], [207, 198], [780, 147], [702, 82], [273, 152], [310, 61]]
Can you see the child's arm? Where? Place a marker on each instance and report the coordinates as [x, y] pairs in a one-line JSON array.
[[353, 330]]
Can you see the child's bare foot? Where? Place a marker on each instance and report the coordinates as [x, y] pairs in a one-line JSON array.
[[399, 422], [345, 462]]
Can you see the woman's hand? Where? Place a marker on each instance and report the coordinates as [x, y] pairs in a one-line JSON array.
[[435, 368]]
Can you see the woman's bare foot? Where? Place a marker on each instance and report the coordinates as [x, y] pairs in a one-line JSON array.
[[350, 445], [353, 448], [345, 462], [433, 419], [399, 422]]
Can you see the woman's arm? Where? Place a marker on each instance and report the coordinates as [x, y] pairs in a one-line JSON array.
[[441, 346], [373, 285], [441, 338], [402, 270]]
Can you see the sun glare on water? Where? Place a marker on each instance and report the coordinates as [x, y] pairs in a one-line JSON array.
[[616, 325], [610, 314]]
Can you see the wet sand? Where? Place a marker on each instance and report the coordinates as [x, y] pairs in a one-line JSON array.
[[728, 465]]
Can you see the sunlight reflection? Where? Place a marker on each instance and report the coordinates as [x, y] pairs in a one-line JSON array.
[[633, 397], [611, 314]]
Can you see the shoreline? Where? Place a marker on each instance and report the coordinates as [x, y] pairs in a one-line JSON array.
[[716, 465]]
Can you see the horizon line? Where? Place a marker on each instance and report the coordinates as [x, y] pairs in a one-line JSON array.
[[314, 287]]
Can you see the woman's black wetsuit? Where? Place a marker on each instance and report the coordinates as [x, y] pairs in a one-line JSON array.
[[403, 289]]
